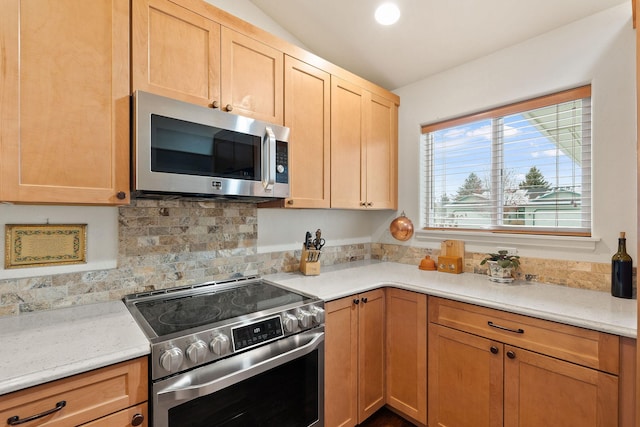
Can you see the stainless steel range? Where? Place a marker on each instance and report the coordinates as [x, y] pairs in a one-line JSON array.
[[243, 352]]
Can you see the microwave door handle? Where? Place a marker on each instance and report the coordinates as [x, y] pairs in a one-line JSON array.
[[268, 159]]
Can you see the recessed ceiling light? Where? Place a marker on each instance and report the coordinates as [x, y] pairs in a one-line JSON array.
[[387, 14]]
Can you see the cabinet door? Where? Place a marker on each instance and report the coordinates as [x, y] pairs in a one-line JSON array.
[[348, 104], [64, 107], [341, 363], [371, 353], [251, 77], [175, 52], [306, 112], [465, 379], [543, 391], [406, 364], [381, 153]]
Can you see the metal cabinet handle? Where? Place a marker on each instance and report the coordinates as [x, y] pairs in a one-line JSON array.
[[356, 301], [504, 328], [364, 300], [121, 195], [494, 349], [511, 354], [369, 203], [215, 104], [137, 420], [229, 107], [15, 420]]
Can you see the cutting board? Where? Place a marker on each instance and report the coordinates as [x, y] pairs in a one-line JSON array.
[[452, 248]]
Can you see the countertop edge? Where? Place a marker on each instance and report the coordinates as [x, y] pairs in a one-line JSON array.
[[544, 315], [60, 372], [617, 316]]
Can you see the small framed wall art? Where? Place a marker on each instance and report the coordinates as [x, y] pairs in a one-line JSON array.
[[39, 245]]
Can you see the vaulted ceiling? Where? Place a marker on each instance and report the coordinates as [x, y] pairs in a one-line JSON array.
[[431, 35]]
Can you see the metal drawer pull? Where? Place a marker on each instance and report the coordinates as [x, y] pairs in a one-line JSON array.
[[516, 331], [15, 420]]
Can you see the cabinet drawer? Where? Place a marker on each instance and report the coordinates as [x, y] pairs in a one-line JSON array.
[[577, 345], [87, 396], [124, 418]]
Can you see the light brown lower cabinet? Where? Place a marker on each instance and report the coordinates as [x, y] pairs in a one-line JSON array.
[[354, 358], [406, 350], [445, 363], [492, 368], [114, 396]]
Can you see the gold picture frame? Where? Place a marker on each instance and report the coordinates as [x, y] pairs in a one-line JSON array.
[[39, 245]]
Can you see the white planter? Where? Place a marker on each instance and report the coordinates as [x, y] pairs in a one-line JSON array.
[[499, 274]]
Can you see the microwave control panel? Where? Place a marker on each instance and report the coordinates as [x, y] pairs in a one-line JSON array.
[[282, 162]]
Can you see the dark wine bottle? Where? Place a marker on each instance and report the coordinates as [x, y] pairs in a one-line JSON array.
[[621, 271]]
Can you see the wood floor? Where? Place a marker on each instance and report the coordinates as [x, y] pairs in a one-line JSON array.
[[385, 418]]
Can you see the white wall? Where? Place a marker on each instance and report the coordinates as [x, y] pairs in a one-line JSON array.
[[249, 12], [102, 235], [599, 50]]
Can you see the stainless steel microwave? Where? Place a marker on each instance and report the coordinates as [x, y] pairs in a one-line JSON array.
[[182, 149]]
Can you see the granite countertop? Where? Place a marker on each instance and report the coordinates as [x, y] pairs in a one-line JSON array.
[[579, 307], [45, 346], [48, 345]]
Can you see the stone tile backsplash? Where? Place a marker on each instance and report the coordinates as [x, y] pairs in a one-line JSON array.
[[168, 243]]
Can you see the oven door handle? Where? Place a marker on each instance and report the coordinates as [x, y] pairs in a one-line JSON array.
[[219, 375]]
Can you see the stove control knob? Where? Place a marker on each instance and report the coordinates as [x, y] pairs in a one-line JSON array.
[[197, 351], [219, 344], [318, 315], [171, 359], [290, 322], [304, 318]]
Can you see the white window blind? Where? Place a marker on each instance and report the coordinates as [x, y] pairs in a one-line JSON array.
[[521, 168]]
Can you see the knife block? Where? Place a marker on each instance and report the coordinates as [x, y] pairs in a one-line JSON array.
[[310, 261]]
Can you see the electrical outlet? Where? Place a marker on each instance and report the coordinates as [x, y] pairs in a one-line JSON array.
[[510, 251]]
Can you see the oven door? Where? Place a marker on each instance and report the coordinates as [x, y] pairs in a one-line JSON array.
[[278, 384]]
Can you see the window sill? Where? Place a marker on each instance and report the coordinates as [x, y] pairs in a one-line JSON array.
[[583, 244]]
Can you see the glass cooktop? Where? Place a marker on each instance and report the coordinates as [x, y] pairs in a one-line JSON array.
[[168, 314]]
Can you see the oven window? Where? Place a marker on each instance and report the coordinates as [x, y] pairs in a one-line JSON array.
[[285, 396], [189, 148]]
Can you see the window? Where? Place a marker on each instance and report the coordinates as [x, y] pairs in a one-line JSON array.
[[521, 168]]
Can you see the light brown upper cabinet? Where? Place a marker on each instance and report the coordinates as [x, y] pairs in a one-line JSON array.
[[382, 153], [307, 113], [180, 51], [252, 77], [64, 109], [175, 52], [364, 148]]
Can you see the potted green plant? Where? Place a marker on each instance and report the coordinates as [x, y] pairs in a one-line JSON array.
[[501, 266]]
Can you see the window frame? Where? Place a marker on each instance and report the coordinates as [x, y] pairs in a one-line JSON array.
[[568, 95]]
